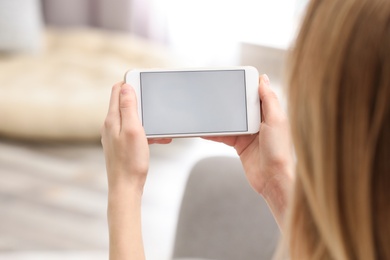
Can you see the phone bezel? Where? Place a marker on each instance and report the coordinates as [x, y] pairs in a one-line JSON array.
[[132, 77]]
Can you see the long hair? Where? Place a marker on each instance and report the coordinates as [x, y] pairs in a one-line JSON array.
[[339, 103]]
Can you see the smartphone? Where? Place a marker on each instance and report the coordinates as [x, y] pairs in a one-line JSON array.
[[197, 101]]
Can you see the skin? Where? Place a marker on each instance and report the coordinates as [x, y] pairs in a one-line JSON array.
[[267, 158]]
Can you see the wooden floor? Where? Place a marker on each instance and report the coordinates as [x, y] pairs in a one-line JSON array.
[[52, 197]]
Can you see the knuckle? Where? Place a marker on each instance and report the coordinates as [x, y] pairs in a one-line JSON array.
[[279, 163], [107, 123], [133, 132]]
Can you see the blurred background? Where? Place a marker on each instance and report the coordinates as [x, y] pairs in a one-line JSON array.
[[58, 61]]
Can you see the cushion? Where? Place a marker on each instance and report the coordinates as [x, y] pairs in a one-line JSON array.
[[20, 26], [63, 93], [222, 217]]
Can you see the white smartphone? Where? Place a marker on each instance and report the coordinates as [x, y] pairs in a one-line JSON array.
[[197, 101]]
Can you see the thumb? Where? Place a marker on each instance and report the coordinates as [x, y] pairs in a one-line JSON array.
[[270, 107], [128, 108]]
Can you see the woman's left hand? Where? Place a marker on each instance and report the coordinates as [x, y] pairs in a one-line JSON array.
[[124, 141], [127, 161]]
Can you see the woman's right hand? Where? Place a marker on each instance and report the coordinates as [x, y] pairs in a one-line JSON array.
[[267, 157]]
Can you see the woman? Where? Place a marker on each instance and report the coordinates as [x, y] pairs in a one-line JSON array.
[[334, 203]]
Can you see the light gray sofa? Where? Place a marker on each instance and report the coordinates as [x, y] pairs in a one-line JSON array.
[[222, 217]]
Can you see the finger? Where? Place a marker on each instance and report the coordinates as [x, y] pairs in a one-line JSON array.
[[128, 109], [113, 116], [160, 141], [270, 106], [114, 100]]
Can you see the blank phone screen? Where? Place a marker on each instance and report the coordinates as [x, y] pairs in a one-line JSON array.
[[193, 102]]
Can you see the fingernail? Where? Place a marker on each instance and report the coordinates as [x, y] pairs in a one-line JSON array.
[[266, 79], [125, 89]]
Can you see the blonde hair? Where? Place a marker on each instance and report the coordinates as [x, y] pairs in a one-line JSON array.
[[339, 103]]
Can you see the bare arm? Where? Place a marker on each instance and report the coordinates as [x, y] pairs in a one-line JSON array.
[[127, 161], [124, 222]]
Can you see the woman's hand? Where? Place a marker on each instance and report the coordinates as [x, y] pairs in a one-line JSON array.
[[267, 157], [124, 141]]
